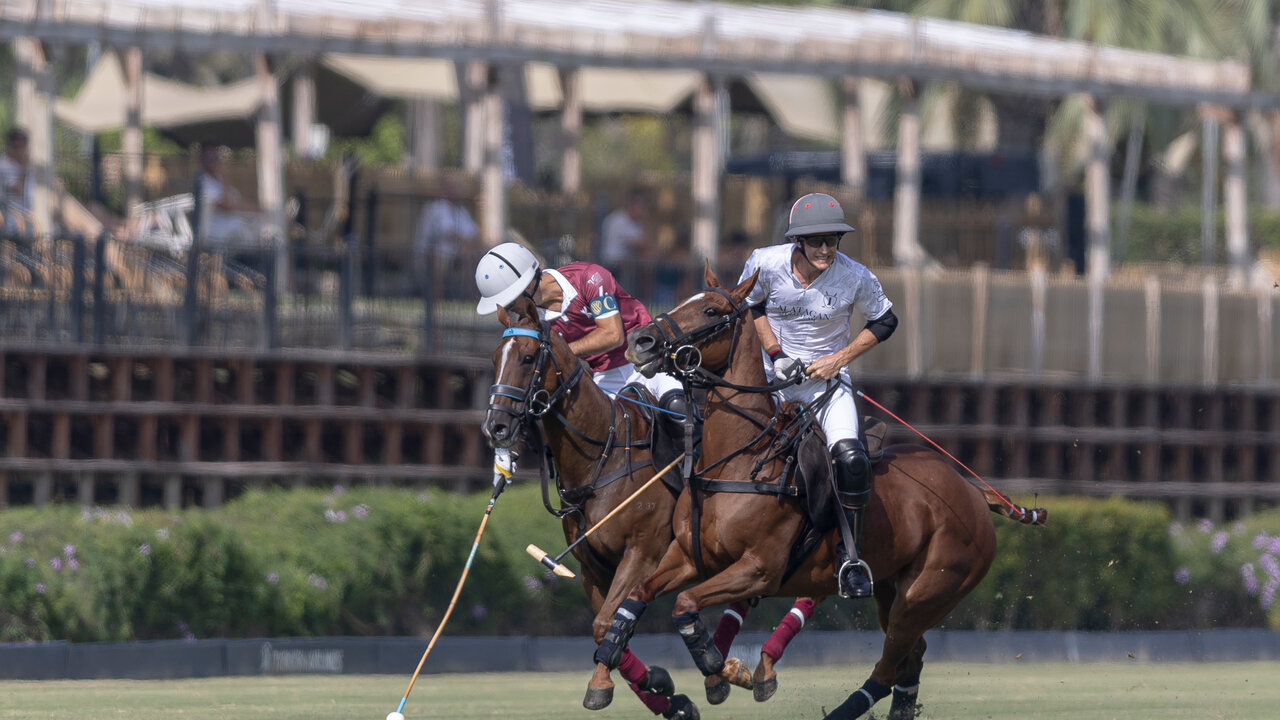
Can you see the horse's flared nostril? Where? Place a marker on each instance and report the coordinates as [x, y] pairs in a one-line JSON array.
[[643, 344]]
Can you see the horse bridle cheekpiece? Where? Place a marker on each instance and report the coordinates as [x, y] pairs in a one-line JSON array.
[[535, 399], [686, 357]]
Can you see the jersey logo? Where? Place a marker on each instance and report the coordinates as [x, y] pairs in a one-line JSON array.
[[603, 304], [830, 299]]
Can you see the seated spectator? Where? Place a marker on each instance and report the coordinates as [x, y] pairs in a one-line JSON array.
[[15, 182], [225, 215]]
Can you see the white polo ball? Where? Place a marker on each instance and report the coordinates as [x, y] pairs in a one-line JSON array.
[[394, 716]]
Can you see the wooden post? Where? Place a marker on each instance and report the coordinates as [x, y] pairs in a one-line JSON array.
[[1097, 191], [706, 163], [915, 336], [906, 197], [34, 93], [1039, 284], [981, 289], [853, 158], [476, 83], [304, 108], [424, 134], [1151, 288], [570, 130], [131, 135], [1234, 201], [1210, 368], [1264, 334], [1208, 186], [271, 164], [493, 216], [1096, 297]]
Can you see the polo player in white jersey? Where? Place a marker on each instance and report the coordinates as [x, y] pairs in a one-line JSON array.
[[804, 301]]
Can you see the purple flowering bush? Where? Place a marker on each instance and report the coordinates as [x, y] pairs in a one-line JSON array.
[[1117, 564]]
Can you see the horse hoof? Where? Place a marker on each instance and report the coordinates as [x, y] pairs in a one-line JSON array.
[[717, 692], [659, 682], [597, 698], [765, 689], [736, 672], [682, 708]]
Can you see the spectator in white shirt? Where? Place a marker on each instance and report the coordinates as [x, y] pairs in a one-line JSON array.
[[623, 236], [222, 208]]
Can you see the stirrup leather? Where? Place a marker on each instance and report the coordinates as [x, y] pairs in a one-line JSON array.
[[847, 592]]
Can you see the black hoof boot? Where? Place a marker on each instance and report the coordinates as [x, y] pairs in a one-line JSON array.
[[854, 580], [597, 699], [765, 690], [659, 682], [682, 708], [718, 692]]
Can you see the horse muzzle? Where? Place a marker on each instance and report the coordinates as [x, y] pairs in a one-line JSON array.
[[501, 429], [644, 350]]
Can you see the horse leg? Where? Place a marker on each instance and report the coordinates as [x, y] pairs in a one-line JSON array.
[[765, 679], [907, 685], [675, 570], [651, 684], [745, 578], [919, 605], [726, 631]]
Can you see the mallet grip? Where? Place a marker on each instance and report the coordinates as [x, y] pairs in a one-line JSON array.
[[545, 558]]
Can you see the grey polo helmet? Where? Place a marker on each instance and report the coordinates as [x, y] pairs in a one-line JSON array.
[[502, 274], [816, 214]]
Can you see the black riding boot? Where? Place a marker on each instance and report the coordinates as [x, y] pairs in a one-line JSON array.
[[853, 486]]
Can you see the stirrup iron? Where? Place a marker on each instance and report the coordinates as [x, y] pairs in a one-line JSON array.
[[846, 592]]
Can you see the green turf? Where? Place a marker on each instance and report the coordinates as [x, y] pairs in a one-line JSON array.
[[1239, 691]]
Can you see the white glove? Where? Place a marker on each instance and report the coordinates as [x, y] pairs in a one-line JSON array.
[[504, 465], [788, 369]]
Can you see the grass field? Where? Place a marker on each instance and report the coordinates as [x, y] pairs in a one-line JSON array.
[[950, 691]]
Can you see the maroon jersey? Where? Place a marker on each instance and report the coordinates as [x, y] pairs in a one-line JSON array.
[[590, 294]]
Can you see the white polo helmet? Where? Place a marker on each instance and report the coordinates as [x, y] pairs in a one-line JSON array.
[[502, 274]]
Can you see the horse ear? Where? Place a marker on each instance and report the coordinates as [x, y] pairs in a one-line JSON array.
[[744, 288], [708, 276], [505, 318], [524, 308]]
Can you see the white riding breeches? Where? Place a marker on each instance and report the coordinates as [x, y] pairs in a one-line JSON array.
[[838, 414]]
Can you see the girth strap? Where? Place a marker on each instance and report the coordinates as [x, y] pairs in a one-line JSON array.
[[743, 486]]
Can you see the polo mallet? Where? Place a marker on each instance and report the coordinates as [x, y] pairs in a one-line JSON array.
[[501, 476], [553, 563]]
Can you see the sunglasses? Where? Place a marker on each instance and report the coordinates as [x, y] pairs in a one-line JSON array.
[[820, 240]]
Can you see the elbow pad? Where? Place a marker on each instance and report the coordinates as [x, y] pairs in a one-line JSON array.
[[883, 326]]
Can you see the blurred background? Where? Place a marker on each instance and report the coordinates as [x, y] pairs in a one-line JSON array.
[[239, 237]]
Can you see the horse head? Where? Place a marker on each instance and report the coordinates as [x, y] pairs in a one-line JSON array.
[[701, 331], [533, 370]]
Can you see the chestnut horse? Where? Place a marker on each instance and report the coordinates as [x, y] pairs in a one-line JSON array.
[[929, 538], [601, 456]]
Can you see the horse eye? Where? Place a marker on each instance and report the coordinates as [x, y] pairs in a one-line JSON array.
[[710, 312], [526, 359]]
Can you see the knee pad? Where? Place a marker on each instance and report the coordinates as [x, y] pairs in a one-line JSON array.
[[705, 654], [619, 633], [853, 471], [673, 402]]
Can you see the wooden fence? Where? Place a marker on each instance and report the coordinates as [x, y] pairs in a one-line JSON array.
[[171, 428]]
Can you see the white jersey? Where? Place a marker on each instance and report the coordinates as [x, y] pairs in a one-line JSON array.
[[814, 321]]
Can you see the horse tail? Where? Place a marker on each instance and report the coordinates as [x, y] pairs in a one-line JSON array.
[[1000, 505]]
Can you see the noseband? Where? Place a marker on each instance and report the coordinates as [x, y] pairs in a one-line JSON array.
[[682, 348], [533, 400]]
